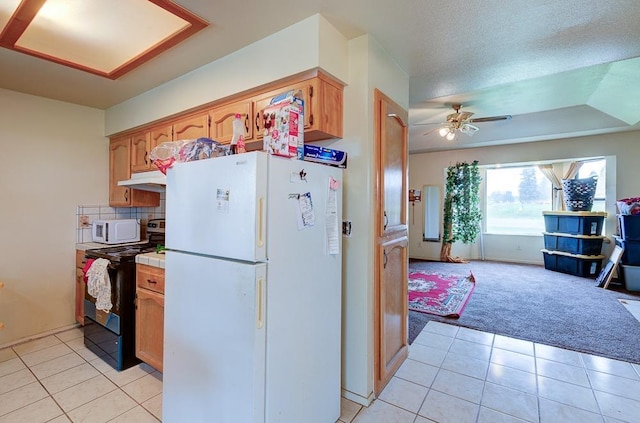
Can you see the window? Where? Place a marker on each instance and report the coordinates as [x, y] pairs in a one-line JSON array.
[[515, 200], [596, 168]]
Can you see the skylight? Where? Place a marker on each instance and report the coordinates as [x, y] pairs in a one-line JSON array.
[[104, 37]]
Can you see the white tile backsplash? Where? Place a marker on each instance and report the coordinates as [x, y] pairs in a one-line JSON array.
[[99, 212]]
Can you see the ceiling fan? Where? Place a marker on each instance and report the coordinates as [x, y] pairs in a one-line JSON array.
[[462, 122]]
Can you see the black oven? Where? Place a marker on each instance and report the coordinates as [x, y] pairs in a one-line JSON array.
[[111, 335]]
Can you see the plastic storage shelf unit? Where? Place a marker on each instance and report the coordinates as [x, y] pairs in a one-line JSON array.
[[629, 227], [588, 245], [573, 264], [631, 276], [574, 223]]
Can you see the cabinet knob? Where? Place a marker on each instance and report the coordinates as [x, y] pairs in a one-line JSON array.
[[1, 284]]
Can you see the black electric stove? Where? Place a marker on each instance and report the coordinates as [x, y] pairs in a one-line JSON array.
[[111, 334]]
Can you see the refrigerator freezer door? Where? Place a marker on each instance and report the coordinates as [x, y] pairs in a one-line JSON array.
[[217, 207], [214, 340]]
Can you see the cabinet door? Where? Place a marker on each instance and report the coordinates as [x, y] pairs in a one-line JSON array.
[[222, 120], [150, 327], [80, 286], [392, 233], [119, 170], [193, 127], [392, 310], [160, 135], [140, 149], [322, 108]]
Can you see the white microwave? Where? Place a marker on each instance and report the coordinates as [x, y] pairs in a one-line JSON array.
[[116, 231]]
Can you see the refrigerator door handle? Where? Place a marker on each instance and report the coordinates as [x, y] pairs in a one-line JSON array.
[[260, 222], [259, 317]]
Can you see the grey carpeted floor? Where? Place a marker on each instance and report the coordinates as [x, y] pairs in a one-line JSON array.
[[531, 303]]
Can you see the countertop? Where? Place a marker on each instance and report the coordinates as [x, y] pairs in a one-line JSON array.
[[89, 245], [150, 259]]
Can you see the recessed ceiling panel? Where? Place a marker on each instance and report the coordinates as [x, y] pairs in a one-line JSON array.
[[99, 34], [105, 37]]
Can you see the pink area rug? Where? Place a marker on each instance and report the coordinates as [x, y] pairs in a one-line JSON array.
[[438, 293]]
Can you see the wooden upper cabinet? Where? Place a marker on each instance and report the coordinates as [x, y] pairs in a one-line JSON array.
[[160, 134], [120, 170], [323, 119], [140, 149], [322, 108], [192, 127], [222, 120]]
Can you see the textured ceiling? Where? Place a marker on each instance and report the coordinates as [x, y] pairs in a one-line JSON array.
[[550, 64]]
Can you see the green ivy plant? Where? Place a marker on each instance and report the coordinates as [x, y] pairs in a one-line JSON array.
[[462, 204]]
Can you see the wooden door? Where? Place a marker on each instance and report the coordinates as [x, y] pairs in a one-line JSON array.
[[192, 127], [222, 120], [119, 170], [390, 308], [150, 327]]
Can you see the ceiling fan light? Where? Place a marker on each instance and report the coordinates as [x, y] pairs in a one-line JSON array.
[[451, 135], [443, 131]]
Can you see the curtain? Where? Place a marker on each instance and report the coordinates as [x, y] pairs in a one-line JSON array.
[[557, 198], [574, 167]]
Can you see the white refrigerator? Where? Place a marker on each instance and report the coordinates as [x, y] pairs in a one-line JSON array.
[[252, 323]]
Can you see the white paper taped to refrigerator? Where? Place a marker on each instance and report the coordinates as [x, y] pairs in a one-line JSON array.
[[306, 217], [333, 229], [222, 200]]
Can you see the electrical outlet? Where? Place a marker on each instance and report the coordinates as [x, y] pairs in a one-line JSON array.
[[83, 221]]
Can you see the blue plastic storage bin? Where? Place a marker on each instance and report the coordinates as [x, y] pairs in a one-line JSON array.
[[574, 223]]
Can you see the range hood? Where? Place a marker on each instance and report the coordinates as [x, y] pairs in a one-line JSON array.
[[146, 181]]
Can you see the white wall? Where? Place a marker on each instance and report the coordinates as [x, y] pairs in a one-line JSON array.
[[306, 45], [54, 157], [370, 67], [621, 151]]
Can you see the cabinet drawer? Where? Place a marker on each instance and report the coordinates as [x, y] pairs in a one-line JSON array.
[[150, 277]]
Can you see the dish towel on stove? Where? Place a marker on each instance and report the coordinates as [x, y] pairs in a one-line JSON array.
[[99, 285]]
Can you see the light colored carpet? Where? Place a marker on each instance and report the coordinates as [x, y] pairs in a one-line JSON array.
[[633, 306]]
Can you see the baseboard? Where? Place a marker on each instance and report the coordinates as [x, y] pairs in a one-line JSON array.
[[358, 399], [40, 335]]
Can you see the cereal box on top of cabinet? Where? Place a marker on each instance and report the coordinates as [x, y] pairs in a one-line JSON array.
[[283, 123]]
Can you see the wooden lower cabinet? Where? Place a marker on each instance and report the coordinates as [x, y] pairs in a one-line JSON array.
[[150, 314], [80, 287]]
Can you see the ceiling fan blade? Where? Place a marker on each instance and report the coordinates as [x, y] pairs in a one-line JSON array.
[[431, 131], [490, 118], [468, 129], [428, 123]]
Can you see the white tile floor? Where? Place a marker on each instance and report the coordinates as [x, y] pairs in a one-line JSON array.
[[453, 374]]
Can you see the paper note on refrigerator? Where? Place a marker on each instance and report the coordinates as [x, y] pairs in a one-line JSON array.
[[333, 229], [306, 217]]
